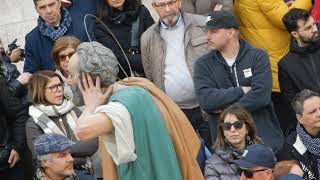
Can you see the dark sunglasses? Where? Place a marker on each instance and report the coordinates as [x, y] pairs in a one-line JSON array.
[[248, 172], [227, 125], [63, 58]]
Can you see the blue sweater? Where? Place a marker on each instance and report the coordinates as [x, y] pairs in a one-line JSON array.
[[38, 47]]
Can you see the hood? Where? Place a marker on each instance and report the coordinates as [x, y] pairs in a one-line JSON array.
[[303, 50], [244, 47]]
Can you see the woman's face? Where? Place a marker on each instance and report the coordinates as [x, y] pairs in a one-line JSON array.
[[234, 131], [115, 3], [54, 91], [64, 57]]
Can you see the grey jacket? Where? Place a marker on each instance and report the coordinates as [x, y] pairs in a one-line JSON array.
[[153, 50], [203, 7], [218, 167]]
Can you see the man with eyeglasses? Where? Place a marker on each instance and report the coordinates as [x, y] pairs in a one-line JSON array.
[[54, 21], [258, 163], [300, 68], [235, 72], [169, 49]]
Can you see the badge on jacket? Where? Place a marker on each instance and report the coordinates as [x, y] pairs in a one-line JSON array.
[[247, 73]]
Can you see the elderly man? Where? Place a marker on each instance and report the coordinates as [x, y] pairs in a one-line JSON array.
[[234, 71], [53, 22], [258, 162], [303, 145], [169, 49], [136, 128]]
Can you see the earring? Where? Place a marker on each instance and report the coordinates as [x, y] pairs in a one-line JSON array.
[[248, 139]]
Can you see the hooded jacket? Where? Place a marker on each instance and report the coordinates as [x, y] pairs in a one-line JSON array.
[[261, 25], [299, 70], [218, 85]]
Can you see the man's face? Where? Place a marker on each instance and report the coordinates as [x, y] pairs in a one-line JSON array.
[[217, 38], [307, 31], [168, 10], [49, 11], [257, 173], [61, 164], [310, 117]]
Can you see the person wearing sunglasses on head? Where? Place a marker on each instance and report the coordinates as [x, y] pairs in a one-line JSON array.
[[235, 132], [51, 112], [61, 53]]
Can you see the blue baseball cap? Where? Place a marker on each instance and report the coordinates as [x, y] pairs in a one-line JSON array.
[[257, 155], [51, 143]]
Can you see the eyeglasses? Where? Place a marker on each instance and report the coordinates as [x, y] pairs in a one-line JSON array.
[[227, 125], [162, 5], [63, 58], [248, 172], [55, 87]]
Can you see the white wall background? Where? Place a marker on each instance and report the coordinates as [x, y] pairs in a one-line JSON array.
[[18, 17]]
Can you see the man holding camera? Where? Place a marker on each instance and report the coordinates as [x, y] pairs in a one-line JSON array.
[[54, 21]]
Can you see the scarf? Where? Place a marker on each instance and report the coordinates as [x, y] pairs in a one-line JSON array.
[[53, 33], [41, 115], [312, 144], [40, 175]]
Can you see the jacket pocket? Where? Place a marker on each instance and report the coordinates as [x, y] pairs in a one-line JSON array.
[[199, 41]]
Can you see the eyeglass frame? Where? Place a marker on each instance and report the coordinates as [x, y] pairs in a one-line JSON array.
[[63, 58], [248, 172], [230, 125], [162, 5], [56, 87]]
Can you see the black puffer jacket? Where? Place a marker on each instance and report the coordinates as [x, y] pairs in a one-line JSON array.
[[121, 25], [13, 117]]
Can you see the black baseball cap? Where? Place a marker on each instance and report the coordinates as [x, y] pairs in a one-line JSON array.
[[221, 19]]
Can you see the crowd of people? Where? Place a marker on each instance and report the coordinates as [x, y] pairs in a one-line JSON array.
[[212, 90]]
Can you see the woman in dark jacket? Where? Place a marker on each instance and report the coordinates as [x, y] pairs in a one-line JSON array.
[[127, 19], [51, 112], [236, 130]]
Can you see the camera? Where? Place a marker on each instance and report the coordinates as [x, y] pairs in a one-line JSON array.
[[13, 46]]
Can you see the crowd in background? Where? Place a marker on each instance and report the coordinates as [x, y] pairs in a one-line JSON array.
[[213, 89]]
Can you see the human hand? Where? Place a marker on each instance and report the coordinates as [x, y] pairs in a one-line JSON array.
[[295, 169], [217, 7], [92, 93], [13, 158], [24, 78], [246, 89], [15, 55]]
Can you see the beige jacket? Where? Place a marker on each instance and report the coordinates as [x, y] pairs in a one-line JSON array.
[[203, 7], [153, 48]]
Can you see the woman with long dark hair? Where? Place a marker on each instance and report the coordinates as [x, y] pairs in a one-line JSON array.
[[236, 130], [127, 19]]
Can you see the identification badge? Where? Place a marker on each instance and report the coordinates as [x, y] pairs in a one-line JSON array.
[[247, 73]]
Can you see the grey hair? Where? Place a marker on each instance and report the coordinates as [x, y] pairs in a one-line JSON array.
[[97, 59], [44, 157], [300, 98]]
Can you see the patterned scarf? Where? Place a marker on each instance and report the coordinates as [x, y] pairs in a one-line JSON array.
[[53, 33], [41, 115], [312, 144]]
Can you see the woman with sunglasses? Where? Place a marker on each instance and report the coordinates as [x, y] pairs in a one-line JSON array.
[[51, 112], [127, 20], [61, 53], [235, 132]]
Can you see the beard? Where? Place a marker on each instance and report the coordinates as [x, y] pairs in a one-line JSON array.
[[310, 40], [170, 20], [77, 97]]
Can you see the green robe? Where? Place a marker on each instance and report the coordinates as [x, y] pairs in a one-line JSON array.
[[156, 157]]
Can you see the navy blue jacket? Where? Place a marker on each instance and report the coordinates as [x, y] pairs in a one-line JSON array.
[[38, 47], [218, 85]]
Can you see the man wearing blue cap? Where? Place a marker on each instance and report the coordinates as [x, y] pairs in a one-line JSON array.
[[53, 154], [258, 162], [235, 72]]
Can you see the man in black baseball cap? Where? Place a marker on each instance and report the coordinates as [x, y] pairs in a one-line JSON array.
[[235, 72]]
